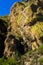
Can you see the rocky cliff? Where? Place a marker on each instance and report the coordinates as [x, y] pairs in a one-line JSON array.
[[23, 32]]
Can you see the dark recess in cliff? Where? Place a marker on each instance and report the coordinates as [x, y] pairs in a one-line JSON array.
[[3, 31]]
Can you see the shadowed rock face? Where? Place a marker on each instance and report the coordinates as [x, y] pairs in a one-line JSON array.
[[3, 30], [13, 45], [2, 38], [41, 38], [3, 27]]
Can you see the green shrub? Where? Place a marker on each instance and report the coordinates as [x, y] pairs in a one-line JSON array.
[[40, 49], [41, 61], [9, 61]]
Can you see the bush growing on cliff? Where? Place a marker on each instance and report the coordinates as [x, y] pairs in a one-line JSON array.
[[41, 61], [9, 61], [40, 50]]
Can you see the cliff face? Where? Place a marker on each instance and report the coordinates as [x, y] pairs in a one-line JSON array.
[[26, 20], [3, 33], [24, 31]]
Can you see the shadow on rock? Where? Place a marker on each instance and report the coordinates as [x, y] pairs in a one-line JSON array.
[[3, 31]]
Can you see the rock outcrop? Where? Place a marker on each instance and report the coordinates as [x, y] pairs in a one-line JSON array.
[[24, 31], [26, 25]]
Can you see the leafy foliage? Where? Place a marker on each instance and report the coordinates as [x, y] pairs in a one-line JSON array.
[[40, 49]]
